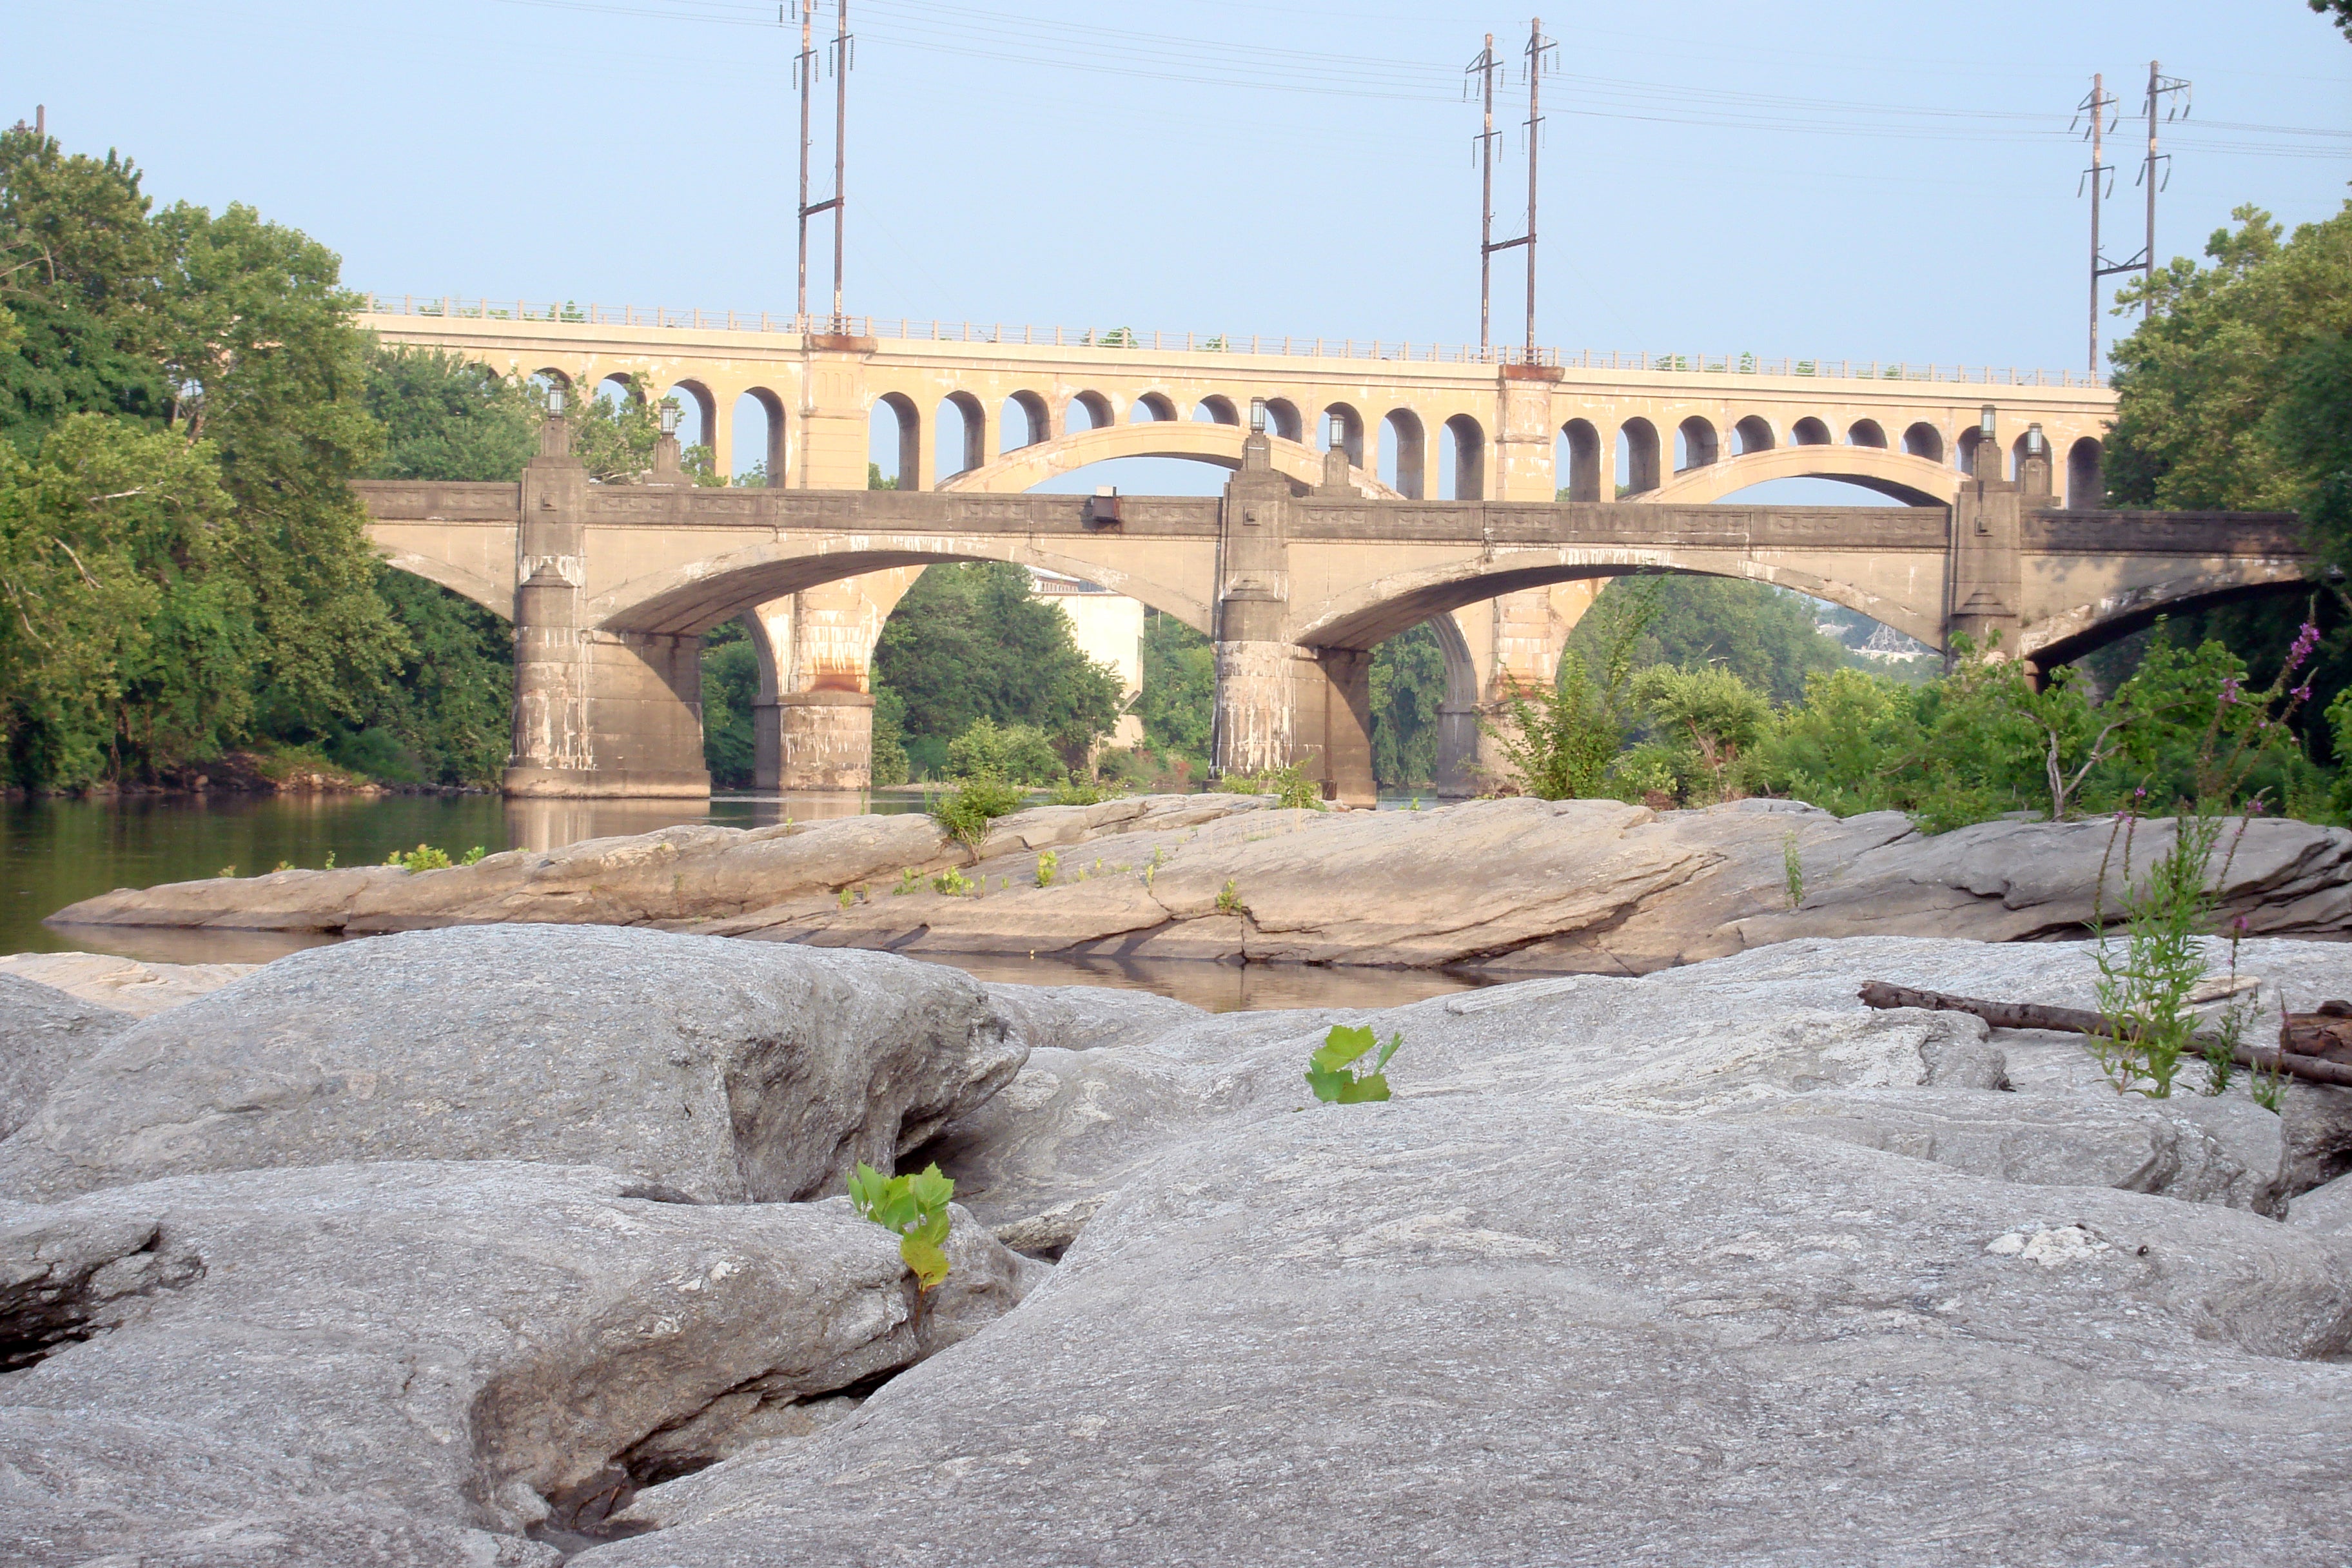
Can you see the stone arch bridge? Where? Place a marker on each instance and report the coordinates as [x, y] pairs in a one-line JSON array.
[[610, 586], [996, 411]]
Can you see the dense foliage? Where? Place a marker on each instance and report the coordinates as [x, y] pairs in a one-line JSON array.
[[973, 642]]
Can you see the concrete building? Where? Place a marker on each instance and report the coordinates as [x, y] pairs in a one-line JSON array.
[[1108, 629]]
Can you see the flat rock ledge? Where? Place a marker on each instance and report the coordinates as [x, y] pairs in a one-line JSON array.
[[1584, 885]]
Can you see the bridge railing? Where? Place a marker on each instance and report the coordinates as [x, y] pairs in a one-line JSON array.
[[919, 330]]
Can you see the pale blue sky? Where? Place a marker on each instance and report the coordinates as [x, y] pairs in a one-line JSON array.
[[1850, 180]]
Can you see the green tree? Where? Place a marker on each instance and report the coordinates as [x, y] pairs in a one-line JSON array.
[[2197, 384], [1763, 636], [730, 685], [2340, 11], [1718, 714], [1179, 686], [972, 641], [80, 278], [1560, 744], [1408, 689], [446, 417]]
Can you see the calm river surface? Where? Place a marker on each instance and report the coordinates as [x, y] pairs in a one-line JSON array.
[[55, 852]]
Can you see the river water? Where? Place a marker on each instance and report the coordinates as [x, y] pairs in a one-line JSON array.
[[55, 852]]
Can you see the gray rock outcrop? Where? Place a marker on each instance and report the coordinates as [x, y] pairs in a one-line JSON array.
[[1503, 1327], [1592, 886], [723, 1071], [411, 1365], [43, 1032]]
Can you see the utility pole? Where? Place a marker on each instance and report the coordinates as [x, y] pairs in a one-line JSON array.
[[2099, 178], [2159, 87], [841, 63], [1538, 48], [801, 69], [1485, 66]]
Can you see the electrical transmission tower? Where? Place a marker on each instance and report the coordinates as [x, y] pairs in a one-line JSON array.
[[1541, 56], [806, 66], [2098, 180]]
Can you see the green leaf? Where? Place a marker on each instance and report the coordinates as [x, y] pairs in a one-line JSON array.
[[931, 1190], [1343, 1046], [867, 1187], [1389, 1051], [1357, 1090], [1327, 1082], [929, 1264]]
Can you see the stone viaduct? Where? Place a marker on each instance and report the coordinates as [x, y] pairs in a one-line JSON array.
[[1307, 563]]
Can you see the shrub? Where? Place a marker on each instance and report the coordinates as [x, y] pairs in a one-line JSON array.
[[1020, 753], [1291, 788], [1049, 866], [968, 815], [424, 857]]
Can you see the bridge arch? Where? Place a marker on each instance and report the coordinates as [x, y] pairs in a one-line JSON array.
[[1694, 443], [1406, 448], [498, 596], [1216, 409], [693, 596], [2086, 484], [1753, 435], [1468, 446], [1914, 482], [1346, 429], [1810, 432], [966, 415], [1097, 408], [1578, 464], [908, 474], [771, 410], [1029, 466], [1639, 467], [1924, 440], [706, 411], [1866, 433], [1026, 415], [1152, 406], [2070, 635], [1283, 419], [1378, 610]]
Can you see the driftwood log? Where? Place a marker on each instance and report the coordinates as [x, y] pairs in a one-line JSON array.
[[2083, 1021]]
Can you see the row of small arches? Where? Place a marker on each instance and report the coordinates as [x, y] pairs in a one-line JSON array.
[[960, 429]]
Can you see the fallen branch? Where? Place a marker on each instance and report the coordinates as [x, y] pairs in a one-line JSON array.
[[2083, 1021]]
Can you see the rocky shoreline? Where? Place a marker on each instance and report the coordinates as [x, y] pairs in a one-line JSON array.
[[1494, 887], [516, 1244]]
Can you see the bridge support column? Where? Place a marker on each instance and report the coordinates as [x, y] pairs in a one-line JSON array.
[[596, 713], [1514, 644], [1986, 574], [1525, 463], [1255, 684], [812, 726], [1332, 722]]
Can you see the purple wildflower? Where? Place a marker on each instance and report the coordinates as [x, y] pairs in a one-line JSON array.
[[2230, 689], [2304, 641], [2302, 693]]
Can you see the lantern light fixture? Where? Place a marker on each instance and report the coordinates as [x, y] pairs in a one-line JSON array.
[[1257, 416]]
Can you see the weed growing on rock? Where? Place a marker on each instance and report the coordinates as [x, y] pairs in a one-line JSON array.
[[1229, 903], [331, 859], [424, 857], [969, 814], [953, 883], [225, 871], [846, 900], [1335, 1082], [1291, 788], [475, 855], [282, 866], [915, 1209], [1792, 865], [2145, 993], [1049, 866], [908, 882]]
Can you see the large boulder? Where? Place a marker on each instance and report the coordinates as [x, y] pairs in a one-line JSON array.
[[43, 1032], [410, 1365], [724, 1071], [1475, 1327]]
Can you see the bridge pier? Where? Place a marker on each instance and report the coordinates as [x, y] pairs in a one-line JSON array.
[[812, 724], [597, 713]]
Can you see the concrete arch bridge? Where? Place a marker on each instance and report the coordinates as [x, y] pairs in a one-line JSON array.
[[999, 410], [611, 587]]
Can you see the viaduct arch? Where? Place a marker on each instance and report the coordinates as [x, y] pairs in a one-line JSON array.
[[612, 585]]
